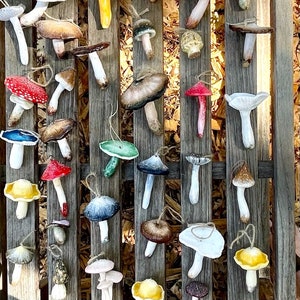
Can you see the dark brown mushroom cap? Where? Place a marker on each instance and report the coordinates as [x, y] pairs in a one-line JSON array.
[[144, 90], [57, 130], [157, 232], [83, 50], [197, 289]]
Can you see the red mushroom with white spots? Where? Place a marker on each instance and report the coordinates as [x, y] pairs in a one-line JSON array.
[[25, 94]]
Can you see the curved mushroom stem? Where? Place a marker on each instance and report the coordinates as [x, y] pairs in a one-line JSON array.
[[251, 280], [196, 267], [194, 188], [103, 225], [23, 50], [21, 211], [59, 47], [35, 14], [147, 46], [201, 115], [243, 206], [16, 274], [65, 148], [197, 14], [64, 209], [150, 248], [16, 114], [16, 156], [111, 167], [247, 131], [152, 118], [53, 103], [249, 45], [147, 191], [99, 72]]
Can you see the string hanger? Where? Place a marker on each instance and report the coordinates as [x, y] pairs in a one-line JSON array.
[[237, 166], [96, 257], [134, 12], [244, 232], [25, 238], [172, 212], [210, 225], [55, 251], [111, 129], [164, 150], [212, 74], [87, 184], [36, 69]]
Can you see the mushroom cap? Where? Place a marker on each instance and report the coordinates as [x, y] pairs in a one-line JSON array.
[[22, 190], [66, 78], [101, 208], [197, 289], [153, 165], [251, 258], [250, 27], [199, 89], [114, 276], [61, 275], [147, 289], [144, 90], [22, 87], [20, 255], [197, 159], [59, 223], [20, 136], [141, 27], [157, 232], [8, 12], [206, 240], [243, 177], [121, 149], [57, 130], [99, 266], [83, 50], [54, 170], [62, 30]]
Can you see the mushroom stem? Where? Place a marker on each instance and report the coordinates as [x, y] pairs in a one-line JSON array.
[[59, 47], [65, 148], [150, 248], [35, 14], [16, 114], [152, 118], [59, 291], [196, 267], [53, 103], [249, 45], [247, 131], [21, 210], [201, 115], [147, 46], [99, 72], [197, 14], [243, 206], [111, 167], [251, 280], [64, 209], [16, 274], [194, 188], [106, 294], [16, 156], [103, 225], [147, 191]]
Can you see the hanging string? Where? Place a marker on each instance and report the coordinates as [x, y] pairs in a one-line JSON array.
[[244, 232], [96, 257], [60, 20], [135, 14], [111, 129], [164, 150], [237, 166], [25, 238], [172, 212], [35, 69], [210, 73], [87, 184], [55, 251], [4, 2], [203, 225]]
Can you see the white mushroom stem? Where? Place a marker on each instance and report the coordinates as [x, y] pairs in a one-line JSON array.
[[16, 274], [251, 280], [147, 191], [65, 148], [103, 225], [152, 118], [59, 47], [53, 103], [58, 292], [16, 156], [60, 193], [147, 46], [196, 267], [17, 112], [243, 206], [99, 72], [21, 211], [150, 248], [35, 14], [249, 45], [197, 14], [194, 188], [247, 131]]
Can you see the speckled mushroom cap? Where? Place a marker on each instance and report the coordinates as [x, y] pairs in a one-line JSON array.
[[141, 27], [243, 177], [196, 289], [157, 232]]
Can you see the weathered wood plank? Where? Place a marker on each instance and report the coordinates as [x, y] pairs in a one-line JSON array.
[[284, 189]]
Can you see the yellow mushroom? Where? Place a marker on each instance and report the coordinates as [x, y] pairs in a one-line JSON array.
[[105, 13], [147, 289]]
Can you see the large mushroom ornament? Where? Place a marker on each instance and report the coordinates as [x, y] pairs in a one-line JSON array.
[[206, 240], [147, 289]]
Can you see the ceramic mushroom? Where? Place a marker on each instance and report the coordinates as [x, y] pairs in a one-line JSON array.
[[245, 103], [142, 92], [196, 14], [105, 13], [23, 192], [206, 240], [196, 289], [117, 150], [191, 43], [25, 94], [152, 166], [197, 161], [244, 4], [100, 209], [19, 138], [12, 13], [53, 172], [60, 278], [59, 233], [147, 289]]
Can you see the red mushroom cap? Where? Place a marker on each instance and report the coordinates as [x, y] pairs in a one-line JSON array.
[[54, 170], [22, 87], [199, 89]]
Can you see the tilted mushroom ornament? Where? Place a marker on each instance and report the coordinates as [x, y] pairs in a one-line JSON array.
[[19, 138], [197, 14], [206, 240], [245, 103], [147, 289], [23, 192]]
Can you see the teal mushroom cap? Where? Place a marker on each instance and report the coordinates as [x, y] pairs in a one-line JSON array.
[[117, 150]]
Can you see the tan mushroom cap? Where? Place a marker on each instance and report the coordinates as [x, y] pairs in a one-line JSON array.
[[66, 78]]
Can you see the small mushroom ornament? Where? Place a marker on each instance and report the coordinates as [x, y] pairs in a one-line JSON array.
[[147, 289]]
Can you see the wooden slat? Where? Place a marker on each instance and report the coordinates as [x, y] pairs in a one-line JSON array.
[[284, 190], [102, 103], [201, 212]]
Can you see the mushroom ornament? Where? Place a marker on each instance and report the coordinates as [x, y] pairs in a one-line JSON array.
[[53, 172], [25, 94], [60, 278], [59, 233], [191, 43], [245, 103], [196, 14], [206, 240], [147, 289], [111, 277], [196, 289], [105, 13], [244, 4], [23, 192], [19, 138]]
